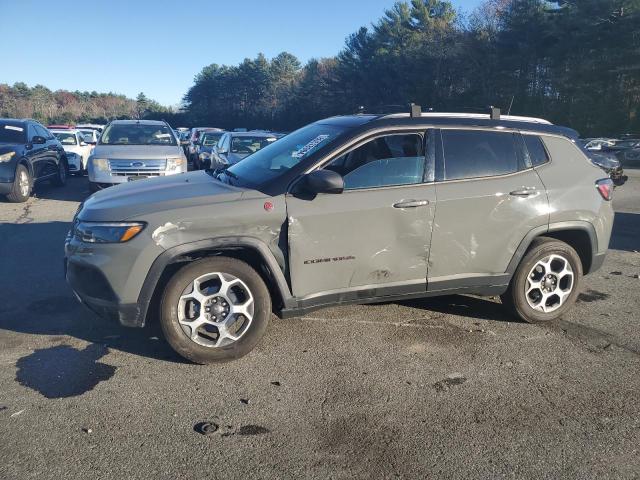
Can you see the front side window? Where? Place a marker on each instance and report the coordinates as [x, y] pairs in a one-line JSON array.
[[279, 157], [137, 134], [250, 145], [66, 138], [382, 162], [42, 131], [478, 153], [535, 148]]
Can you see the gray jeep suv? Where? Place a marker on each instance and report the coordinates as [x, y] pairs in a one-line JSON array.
[[352, 209]]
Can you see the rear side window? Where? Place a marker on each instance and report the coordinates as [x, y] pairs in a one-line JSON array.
[[478, 153], [537, 153]]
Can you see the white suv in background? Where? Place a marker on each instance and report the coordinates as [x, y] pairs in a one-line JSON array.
[[74, 141], [134, 150]]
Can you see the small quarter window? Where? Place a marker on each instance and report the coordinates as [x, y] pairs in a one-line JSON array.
[[537, 153], [478, 153]]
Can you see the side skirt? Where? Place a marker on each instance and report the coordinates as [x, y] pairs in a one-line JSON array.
[[477, 285]]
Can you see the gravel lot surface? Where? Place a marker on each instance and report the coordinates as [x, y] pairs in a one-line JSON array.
[[449, 387]]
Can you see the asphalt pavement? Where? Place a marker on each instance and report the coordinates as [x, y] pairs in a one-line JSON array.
[[450, 387]]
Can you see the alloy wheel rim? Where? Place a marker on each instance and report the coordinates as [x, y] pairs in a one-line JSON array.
[[549, 283], [24, 183], [215, 309]]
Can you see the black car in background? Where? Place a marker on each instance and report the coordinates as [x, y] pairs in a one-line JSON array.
[[627, 151], [29, 153]]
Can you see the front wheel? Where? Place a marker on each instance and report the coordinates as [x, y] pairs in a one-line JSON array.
[[546, 283], [22, 185], [215, 310]]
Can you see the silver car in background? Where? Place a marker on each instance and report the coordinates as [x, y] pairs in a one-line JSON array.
[[235, 146], [134, 150]]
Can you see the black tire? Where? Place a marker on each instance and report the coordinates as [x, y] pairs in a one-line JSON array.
[[181, 280], [515, 298], [62, 174], [17, 195], [195, 162]]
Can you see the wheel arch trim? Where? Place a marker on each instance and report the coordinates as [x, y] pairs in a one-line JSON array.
[[556, 227], [170, 255]]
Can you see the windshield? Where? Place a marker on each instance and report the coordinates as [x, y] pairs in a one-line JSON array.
[[11, 134], [137, 134], [66, 138], [279, 157], [210, 139]]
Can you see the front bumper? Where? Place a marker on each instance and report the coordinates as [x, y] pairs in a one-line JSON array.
[[85, 281], [5, 188], [108, 278]]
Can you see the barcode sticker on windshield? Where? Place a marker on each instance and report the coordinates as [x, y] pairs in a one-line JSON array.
[[11, 127], [309, 146]]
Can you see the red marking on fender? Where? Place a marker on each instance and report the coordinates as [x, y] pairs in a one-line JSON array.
[[268, 206]]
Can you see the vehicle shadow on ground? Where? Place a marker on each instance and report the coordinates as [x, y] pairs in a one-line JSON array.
[[464, 306], [626, 227], [76, 190], [38, 301]]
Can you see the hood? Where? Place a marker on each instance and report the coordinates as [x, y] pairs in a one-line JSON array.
[[136, 199], [135, 152]]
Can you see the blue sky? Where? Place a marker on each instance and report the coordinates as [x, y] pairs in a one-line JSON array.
[[157, 47]]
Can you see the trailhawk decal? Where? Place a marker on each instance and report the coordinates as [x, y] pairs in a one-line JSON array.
[[326, 260]]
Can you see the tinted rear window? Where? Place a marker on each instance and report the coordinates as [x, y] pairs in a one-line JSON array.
[[537, 152], [11, 133], [476, 153]]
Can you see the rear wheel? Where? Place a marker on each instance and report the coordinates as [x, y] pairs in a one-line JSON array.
[[61, 175], [215, 310], [546, 283], [22, 185]]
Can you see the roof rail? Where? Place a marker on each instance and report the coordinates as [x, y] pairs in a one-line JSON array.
[[515, 118]]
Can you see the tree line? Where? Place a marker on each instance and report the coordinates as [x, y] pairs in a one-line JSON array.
[[575, 63], [64, 107]]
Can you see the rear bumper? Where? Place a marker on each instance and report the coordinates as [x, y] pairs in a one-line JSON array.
[[597, 261]]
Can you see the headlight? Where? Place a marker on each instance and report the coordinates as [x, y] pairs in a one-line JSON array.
[[116, 232], [174, 163], [101, 164], [5, 157]]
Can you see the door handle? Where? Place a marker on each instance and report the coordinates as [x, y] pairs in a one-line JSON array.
[[525, 192], [411, 204]]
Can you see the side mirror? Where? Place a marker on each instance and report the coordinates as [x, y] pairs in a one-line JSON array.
[[38, 140], [83, 144], [324, 181]]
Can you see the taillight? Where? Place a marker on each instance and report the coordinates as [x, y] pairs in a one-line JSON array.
[[605, 187]]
